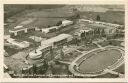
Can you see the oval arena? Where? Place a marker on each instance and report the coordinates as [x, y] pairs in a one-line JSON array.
[[96, 62]]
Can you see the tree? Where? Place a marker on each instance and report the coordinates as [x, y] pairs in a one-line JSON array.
[[62, 53], [103, 32], [59, 23], [98, 18], [45, 64], [34, 69], [51, 52]]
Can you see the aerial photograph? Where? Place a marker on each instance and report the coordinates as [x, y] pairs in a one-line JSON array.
[[64, 41]]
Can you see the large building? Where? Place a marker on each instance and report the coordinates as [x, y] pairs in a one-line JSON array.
[[50, 43], [60, 39]]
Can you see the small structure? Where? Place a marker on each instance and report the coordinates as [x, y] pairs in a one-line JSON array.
[[82, 31], [50, 29], [66, 22], [36, 54], [37, 39], [18, 27]]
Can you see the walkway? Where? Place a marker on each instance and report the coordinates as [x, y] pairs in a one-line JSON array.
[[65, 62], [114, 72], [98, 45]]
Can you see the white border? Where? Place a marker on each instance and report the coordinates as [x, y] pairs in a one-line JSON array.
[[63, 2]]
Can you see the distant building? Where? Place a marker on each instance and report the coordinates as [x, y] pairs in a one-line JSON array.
[[109, 30], [54, 28], [23, 27], [66, 22], [101, 23], [83, 31], [20, 44], [50, 29], [21, 30]]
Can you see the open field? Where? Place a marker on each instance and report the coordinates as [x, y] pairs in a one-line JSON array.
[[110, 42]]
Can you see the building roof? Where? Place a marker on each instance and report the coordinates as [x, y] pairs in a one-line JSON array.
[[19, 43], [101, 26], [66, 21], [55, 39], [18, 27], [25, 24]]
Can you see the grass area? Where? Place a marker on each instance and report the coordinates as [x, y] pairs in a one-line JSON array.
[[88, 47], [109, 16], [71, 56], [110, 42], [97, 61], [13, 9], [121, 69], [11, 51]]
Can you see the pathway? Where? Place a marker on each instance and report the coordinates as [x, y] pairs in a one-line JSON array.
[[65, 62], [115, 73]]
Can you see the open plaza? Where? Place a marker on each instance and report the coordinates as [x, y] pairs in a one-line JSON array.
[[64, 42]]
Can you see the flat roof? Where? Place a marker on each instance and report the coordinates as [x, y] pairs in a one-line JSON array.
[[22, 28], [101, 26], [55, 39], [25, 24]]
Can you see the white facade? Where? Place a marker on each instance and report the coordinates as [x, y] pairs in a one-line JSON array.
[[67, 22], [25, 30], [47, 30], [35, 54], [56, 39], [47, 44], [101, 23], [18, 27], [22, 44], [110, 30]]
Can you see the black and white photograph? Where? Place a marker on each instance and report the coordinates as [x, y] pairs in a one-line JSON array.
[[64, 41]]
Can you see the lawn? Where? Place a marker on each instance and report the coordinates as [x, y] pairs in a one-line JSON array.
[[71, 56], [10, 50], [109, 16], [110, 42], [88, 47]]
